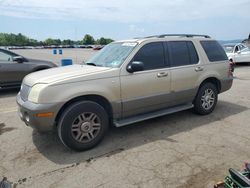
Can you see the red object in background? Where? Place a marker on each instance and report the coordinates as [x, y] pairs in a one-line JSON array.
[[231, 65]]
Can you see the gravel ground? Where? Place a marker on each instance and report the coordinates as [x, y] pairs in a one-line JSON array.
[[179, 150]]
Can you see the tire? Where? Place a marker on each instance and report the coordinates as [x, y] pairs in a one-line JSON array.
[[206, 99], [83, 125]]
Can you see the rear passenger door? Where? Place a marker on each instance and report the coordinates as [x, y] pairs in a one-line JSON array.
[[146, 90], [185, 70]]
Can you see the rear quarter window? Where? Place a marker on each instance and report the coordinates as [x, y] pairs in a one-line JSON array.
[[214, 51]]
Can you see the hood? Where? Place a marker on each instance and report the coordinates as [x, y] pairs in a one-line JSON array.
[[63, 74]]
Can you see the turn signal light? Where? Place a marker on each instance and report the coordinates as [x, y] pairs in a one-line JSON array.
[[46, 114]]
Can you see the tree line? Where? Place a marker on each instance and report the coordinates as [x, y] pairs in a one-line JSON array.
[[22, 40]]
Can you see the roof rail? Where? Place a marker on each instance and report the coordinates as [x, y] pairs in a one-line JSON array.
[[178, 35]]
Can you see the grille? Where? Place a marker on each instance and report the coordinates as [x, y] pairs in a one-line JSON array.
[[24, 92]]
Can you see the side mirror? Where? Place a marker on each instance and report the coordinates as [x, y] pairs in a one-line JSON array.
[[135, 66], [18, 59], [238, 52]]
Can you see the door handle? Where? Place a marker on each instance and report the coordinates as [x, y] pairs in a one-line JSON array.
[[162, 74], [197, 69]]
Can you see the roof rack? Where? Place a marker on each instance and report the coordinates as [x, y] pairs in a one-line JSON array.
[[178, 35]]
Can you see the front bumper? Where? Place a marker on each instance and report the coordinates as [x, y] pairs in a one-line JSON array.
[[28, 113]]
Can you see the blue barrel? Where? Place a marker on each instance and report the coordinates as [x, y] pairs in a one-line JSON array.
[[54, 51], [66, 62], [60, 51]]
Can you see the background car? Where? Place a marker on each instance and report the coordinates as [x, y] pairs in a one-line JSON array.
[[13, 68], [239, 53], [98, 47]]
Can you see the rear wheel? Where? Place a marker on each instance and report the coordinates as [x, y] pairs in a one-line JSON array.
[[83, 125], [206, 99]]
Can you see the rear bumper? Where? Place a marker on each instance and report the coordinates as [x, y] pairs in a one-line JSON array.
[[28, 113], [226, 84]]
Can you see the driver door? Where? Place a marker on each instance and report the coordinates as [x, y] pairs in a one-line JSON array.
[[147, 90]]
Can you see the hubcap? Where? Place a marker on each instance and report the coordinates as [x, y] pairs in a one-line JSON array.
[[86, 127], [207, 99]]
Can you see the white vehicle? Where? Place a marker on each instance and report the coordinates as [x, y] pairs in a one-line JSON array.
[[239, 53]]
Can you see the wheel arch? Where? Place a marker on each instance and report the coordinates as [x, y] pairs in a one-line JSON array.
[[94, 98], [212, 80]]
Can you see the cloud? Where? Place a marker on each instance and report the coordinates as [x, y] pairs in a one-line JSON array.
[[136, 29], [125, 11]]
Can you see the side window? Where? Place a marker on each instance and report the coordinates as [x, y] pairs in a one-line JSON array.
[[182, 53], [242, 47], [5, 57], [214, 51], [194, 59], [236, 49], [152, 55]]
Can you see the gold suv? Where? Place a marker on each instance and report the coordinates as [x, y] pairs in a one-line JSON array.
[[126, 82]]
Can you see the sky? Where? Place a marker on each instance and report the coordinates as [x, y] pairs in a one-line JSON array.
[[123, 19]]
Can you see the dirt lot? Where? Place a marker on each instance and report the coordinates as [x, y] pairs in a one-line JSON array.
[[78, 55], [179, 150]]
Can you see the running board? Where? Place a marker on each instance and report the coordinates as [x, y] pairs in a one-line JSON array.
[[151, 115]]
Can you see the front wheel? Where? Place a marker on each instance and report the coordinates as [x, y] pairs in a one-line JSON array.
[[206, 99], [83, 125]]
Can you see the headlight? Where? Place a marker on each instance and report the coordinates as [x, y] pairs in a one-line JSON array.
[[35, 91]]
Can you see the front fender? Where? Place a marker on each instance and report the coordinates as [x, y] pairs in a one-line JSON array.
[[108, 88]]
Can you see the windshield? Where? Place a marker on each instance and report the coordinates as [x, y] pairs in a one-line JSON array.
[[243, 48], [229, 49], [112, 55]]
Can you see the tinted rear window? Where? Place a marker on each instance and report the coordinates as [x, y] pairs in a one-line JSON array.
[[193, 54], [182, 53], [214, 51]]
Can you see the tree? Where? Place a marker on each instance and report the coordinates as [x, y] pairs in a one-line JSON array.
[[88, 39], [68, 42], [51, 41], [104, 41], [20, 39], [33, 42], [10, 39], [16, 40]]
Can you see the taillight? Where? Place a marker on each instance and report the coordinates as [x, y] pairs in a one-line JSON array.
[[230, 68]]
